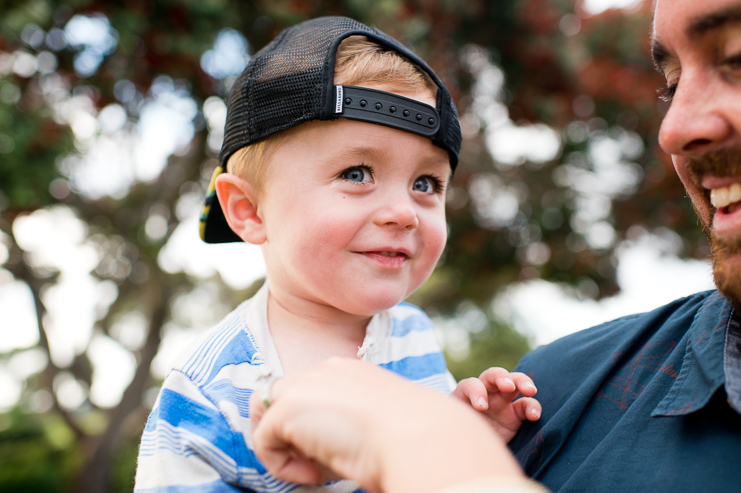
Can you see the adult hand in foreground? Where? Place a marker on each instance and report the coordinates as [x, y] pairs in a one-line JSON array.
[[366, 424]]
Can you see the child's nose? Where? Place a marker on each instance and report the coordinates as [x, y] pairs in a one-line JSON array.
[[397, 211]]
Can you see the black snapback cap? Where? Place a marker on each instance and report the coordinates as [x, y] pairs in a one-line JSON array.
[[291, 81]]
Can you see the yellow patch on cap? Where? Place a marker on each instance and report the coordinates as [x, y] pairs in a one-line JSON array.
[[210, 197]]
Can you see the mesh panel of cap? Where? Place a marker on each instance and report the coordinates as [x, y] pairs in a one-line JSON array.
[[291, 81]]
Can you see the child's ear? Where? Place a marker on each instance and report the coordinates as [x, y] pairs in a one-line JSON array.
[[239, 203]]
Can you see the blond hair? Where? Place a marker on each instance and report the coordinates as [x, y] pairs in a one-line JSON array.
[[359, 61]]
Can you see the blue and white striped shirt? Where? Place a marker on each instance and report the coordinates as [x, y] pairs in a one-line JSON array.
[[198, 436]]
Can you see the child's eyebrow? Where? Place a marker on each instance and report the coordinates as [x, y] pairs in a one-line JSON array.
[[361, 152], [433, 163], [380, 152]]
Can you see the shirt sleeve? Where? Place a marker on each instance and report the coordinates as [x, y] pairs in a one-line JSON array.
[[188, 443], [451, 382]]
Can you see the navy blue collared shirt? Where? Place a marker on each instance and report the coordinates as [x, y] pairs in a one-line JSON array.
[[643, 403]]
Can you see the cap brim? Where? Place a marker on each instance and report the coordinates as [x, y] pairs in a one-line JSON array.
[[213, 225]]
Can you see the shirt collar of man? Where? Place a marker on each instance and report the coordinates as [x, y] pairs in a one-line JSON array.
[[712, 358]]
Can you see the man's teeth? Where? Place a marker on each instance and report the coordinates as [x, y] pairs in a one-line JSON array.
[[721, 197]]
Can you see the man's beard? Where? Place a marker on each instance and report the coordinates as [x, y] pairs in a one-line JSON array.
[[726, 268]]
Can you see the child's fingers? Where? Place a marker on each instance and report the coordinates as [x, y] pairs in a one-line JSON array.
[[498, 380], [527, 409], [257, 409], [472, 390], [524, 384]]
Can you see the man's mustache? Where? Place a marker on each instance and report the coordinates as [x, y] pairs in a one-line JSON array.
[[724, 162]]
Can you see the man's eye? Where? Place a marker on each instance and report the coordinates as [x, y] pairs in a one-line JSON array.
[[734, 62], [356, 174], [423, 185]]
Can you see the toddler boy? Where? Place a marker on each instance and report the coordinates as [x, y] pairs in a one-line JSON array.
[[338, 146]]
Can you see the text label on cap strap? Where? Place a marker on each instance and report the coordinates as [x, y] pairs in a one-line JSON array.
[[338, 101]]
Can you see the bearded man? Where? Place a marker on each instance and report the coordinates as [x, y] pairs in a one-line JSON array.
[[652, 401]]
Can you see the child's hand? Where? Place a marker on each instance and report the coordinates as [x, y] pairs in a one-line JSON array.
[[493, 394]]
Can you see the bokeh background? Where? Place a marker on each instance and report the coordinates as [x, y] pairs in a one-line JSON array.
[[564, 212]]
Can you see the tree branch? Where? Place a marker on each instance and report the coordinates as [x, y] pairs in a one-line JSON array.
[[22, 271]]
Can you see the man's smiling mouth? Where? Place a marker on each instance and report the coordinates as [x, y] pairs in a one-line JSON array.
[[726, 199], [718, 173], [724, 194]]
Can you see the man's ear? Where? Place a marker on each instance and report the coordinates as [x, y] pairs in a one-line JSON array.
[[239, 202]]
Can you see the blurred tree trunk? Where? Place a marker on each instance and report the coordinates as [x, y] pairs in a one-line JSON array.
[[100, 449], [20, 269]]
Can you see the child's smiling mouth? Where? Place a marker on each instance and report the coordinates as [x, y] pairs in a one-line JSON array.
[[390, 254], [389, 259]]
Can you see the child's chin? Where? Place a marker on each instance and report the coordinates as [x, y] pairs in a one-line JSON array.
[[370, 307]]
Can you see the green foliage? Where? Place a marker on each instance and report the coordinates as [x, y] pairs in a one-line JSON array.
[[31, 462], [39, 454], [124, 466], [30, 143], [495, 345]]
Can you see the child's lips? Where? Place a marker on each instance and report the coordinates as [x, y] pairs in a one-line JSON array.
[[393, 259]]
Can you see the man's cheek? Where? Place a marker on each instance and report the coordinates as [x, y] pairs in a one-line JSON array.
[[695, 192]]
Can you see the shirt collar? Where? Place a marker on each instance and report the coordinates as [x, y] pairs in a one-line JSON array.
[[732, 361], [702, 372], [256, 319]]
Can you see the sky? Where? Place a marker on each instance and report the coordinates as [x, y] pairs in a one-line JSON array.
[[594, 7], [116, 154]]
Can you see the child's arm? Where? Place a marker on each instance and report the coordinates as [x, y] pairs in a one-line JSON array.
[[493, 395]]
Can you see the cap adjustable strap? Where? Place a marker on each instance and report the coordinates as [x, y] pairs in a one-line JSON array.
[[385, 108]]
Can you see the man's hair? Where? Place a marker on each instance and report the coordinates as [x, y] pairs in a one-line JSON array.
[[358, 61]]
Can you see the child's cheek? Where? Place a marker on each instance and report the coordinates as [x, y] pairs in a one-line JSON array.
[[323, 239], [438, 235], [433, 240]]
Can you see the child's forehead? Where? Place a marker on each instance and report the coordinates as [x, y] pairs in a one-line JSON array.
[[351, 141]]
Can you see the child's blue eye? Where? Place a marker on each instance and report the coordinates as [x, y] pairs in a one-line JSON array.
[[356, 174], [423, 185]]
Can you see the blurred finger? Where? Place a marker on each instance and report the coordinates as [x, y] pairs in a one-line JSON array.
[[498, 380], [276, 453], [296, 470], [527, 409], [265, 386], [257, 409], [473, 391], [524, 384]]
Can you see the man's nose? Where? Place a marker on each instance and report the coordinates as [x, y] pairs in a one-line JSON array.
[[696, 122], [398, 210]]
